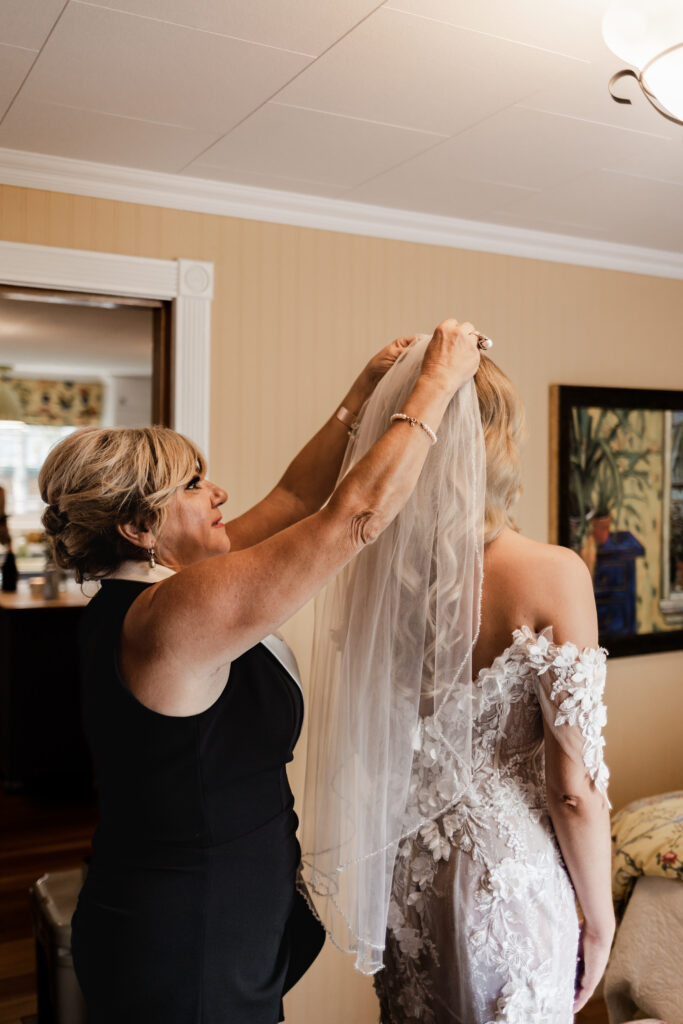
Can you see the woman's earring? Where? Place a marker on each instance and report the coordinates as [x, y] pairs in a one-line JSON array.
[[151, 554]]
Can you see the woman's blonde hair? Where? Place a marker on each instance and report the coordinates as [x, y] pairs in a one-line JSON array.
[[97, 478], [502, 417]]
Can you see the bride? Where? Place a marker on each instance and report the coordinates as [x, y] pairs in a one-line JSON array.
[[456, 801]]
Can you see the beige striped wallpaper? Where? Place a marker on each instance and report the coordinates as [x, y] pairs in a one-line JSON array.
[[295, 315]]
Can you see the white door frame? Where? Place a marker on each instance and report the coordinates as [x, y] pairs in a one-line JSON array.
[[188, 284]]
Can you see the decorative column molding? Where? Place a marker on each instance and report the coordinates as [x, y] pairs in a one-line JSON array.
[[188, 284], [192, 358]]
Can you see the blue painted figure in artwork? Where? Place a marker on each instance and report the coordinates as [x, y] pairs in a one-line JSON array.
[[615, 584]]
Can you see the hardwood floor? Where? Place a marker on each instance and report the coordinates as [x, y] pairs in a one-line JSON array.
[[594, 1013], [39, 834]]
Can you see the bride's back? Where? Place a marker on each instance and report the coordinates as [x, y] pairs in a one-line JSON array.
[[527, 583]]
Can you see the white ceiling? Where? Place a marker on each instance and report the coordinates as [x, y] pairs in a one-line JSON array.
[[488, 110], [42, 337]]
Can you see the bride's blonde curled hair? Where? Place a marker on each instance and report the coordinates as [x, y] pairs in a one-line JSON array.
[[502, 418], [97, 478]]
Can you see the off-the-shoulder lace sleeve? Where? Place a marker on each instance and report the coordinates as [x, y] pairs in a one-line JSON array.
[[570, 685]]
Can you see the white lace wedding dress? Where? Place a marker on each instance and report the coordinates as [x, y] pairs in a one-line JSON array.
[[482, 920]]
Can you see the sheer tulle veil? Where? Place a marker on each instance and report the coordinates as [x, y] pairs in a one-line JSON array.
[[391, 680]]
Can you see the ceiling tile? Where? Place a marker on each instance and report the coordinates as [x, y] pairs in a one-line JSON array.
[[660, 159], [584, 94], [121, 64], [307, 26], [429, 183], [533, 149], [306, 144], [14, 66], [405, 70], [625, 208], [28, 22], [573, 28], [493, 110], [104, 138]]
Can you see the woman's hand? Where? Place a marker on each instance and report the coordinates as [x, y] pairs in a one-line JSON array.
[[594, 952], [452, 356], [379, 364], [385, 359]]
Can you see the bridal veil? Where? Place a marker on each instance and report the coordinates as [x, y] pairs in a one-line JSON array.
[[392, 657]]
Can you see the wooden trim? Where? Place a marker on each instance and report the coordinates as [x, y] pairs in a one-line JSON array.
[[10, 292], [161, 365], [553, 463]]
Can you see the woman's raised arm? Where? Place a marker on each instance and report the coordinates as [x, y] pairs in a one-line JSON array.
[[312, 474], [181, 634]]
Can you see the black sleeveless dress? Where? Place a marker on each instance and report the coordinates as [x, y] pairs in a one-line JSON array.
[[189, 913]]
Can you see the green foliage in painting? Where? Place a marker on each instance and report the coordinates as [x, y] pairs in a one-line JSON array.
[[608, 465]]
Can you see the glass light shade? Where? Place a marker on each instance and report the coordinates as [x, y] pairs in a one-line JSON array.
[[638, 30], [664, 79]]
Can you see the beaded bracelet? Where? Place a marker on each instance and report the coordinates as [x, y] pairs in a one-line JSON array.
[[414, 422]]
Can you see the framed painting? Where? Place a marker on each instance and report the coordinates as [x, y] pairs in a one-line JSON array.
[[617, 500]]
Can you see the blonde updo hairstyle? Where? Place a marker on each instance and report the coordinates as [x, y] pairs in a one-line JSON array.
[[97, 478], [502, 417]]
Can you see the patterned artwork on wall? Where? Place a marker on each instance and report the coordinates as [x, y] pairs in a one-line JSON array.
[[618, 502], [59, 403]]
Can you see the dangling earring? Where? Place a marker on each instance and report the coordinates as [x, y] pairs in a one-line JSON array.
[[151, 554]]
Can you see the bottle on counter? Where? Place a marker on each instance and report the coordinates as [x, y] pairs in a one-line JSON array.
[[51, 584], [9, 573]]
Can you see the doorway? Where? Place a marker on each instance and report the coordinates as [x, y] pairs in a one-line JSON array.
[[67, 360]]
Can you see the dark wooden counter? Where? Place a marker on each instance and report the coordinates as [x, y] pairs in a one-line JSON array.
[[41, 736]]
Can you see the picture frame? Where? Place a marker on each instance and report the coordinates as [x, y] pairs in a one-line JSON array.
[[616, 498]]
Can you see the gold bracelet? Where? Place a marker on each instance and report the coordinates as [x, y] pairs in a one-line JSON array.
[[414, 422], [346, 417]]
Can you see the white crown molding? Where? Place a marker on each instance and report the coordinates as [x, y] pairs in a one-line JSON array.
[[178, 192], [188, 284]]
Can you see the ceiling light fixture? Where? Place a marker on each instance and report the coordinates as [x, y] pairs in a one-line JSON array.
[[649, 35]]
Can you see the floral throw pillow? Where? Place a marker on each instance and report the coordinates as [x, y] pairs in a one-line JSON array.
[[647, 839]]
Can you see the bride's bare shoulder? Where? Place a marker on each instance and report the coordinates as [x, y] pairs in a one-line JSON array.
[[517, 553], [546, 582]]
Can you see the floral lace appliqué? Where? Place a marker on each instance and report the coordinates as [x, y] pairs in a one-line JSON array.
[[578, 686]]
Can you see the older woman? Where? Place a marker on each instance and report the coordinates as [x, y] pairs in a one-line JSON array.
[[192, 707]]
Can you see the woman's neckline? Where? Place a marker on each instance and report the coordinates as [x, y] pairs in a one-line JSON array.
[[141, 572]]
